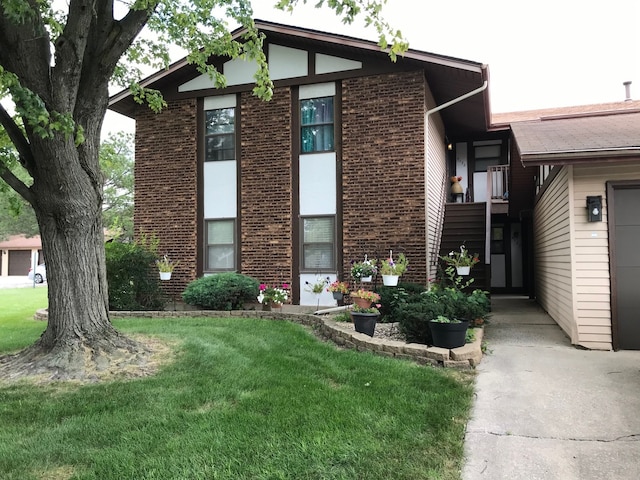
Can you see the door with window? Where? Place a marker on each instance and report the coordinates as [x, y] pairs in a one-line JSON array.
[[506, 257]]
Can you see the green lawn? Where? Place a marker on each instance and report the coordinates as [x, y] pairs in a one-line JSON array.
[[244, 399]]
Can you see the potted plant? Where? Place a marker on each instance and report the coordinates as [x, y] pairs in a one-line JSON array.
[[165, 267], [318, 286], [364, 271], [392, 270], [448, 332], [364, 298], [338, 289], [365, 319], [462, 261], [273, 296]]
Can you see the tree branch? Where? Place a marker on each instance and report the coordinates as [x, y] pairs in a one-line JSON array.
[[18, 139]]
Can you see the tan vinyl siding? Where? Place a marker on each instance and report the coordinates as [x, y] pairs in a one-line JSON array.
[[552, 226], [435, 172], [591, 244]]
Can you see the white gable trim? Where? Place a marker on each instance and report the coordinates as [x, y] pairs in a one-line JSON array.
[[329, 64]]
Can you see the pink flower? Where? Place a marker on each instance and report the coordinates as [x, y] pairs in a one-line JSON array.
[[263, 287], [285, 286]]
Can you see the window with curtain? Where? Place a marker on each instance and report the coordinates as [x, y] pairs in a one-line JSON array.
[[318, 243], [221, 251], [220, 141], [317, 125]]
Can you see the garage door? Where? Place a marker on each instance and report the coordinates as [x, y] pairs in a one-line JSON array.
[[624, 229], [19, 262]]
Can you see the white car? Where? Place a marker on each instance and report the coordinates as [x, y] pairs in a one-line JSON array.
[[40, 275]]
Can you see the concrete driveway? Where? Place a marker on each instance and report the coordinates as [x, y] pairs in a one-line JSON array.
[[547, 410]]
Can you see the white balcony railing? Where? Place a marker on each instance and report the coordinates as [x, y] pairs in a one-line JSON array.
[[498, 183]]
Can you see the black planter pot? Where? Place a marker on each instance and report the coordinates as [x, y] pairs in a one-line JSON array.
[[338, 295], [448, 335], [365, 322]]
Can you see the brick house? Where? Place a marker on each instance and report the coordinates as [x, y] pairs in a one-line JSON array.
[[354, 155], [351, 157]]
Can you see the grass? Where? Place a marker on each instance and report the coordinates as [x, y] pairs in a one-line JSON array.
[[243, 399]]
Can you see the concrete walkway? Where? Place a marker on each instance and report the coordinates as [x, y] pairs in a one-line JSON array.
[[547, 410]]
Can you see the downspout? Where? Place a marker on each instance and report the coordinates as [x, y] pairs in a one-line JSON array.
[[426, 148]]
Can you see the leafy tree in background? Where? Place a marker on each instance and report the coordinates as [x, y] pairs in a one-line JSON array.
[[56, 67], [116, 161]]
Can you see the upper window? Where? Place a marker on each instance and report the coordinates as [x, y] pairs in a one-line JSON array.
[[318, 243], [487, 154], [220, 138], [316, 120], [221, 252]]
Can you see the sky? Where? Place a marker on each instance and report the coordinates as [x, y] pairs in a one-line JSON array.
[[541, 54]]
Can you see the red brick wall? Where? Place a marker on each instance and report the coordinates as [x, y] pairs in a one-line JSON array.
[[266, 212], [166, 185], [383, 169], [382, 178]]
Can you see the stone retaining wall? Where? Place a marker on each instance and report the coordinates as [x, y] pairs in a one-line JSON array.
[[467, 356]]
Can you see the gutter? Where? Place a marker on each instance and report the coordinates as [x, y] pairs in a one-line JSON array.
[[484, 86], [459, 99]]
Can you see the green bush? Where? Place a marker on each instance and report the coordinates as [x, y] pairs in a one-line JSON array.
[[414, 317], [132, 277], [222, 291], [391, 298]]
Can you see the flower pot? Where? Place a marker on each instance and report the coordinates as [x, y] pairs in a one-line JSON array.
[[463, 270], [390, 280], [338, 295], [448, 335], [165, 275], [364, 322], [361, 302], [367, 279]]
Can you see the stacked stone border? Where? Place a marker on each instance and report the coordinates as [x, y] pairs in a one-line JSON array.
[[465, 357]]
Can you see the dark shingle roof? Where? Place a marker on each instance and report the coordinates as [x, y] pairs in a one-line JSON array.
[[561, 140]]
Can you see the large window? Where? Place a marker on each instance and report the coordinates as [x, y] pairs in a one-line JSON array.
[[316, 119], [318, 243], [220, 142], [221, 251]]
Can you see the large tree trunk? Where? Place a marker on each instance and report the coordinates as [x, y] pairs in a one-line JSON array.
[[79, 340]]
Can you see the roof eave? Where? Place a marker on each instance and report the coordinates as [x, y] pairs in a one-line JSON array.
[[618, 155]]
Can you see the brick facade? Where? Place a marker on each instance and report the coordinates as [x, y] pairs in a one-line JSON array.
[[382, 160], [383, 169], [266, 195], [166, 185]]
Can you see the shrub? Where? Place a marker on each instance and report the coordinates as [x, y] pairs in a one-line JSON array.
[[132, 277], [391, 298], [414, 317], [222, 291]]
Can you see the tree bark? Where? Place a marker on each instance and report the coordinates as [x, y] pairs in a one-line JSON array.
[[67, 184]]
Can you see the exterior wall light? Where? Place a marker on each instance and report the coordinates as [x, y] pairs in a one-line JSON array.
[[594, 209]]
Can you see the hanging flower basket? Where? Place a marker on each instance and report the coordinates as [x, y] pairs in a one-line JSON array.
[[463, 270], [390, 280], [165, 275], [338, 295]]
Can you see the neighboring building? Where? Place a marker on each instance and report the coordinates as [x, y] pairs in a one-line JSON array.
[[353, 156], [586, 220], [16, 254]]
